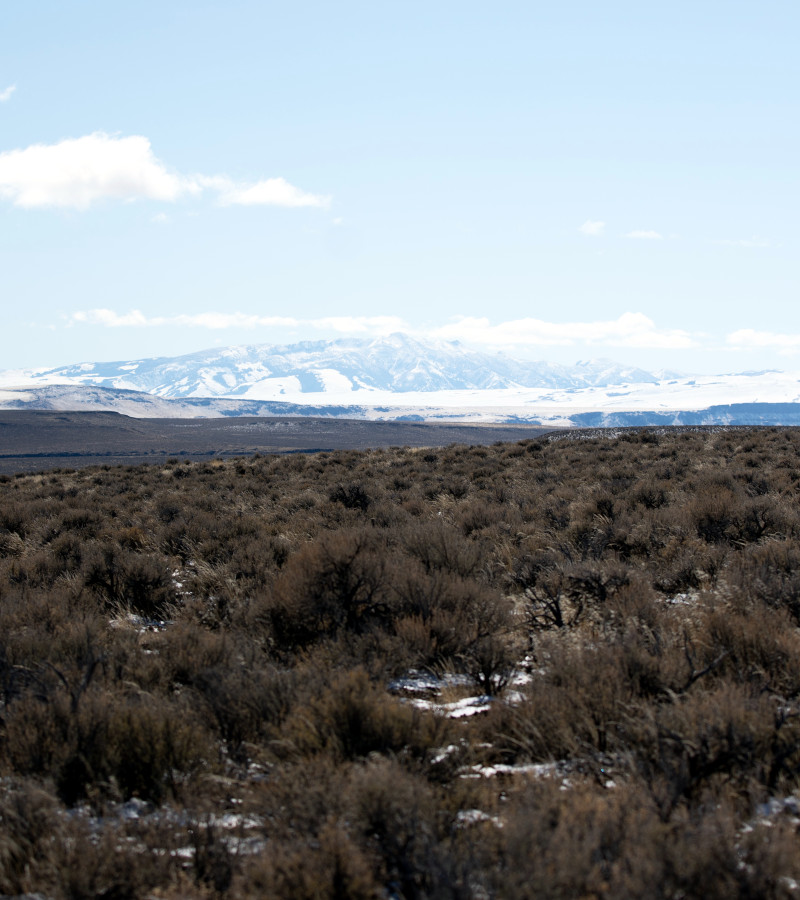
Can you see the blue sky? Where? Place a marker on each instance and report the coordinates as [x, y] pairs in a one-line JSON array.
[[559, 181]]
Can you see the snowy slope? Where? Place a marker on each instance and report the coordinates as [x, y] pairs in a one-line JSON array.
[[396, 377], [147, 406], [739, 399], [396, 363]]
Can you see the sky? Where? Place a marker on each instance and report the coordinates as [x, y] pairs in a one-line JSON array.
[[556, 181]]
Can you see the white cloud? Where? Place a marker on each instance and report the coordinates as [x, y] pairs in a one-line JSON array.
[[644, 235], [78, 172], [219, 321], [593, 229], [270, 192], [107, 317], [212, 320], [633, 330], [6, 94], [748, 339], [629, 330]]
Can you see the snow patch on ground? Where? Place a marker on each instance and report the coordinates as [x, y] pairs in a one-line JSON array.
[[466, 817], [139, 623], [424, 691], [535, 770], [457, 709]]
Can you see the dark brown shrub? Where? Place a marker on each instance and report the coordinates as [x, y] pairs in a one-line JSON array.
[[248, 699], [770, 572], [134, 581], [30, 826], [352, 496], [353, 718], [708, 741], [395, 813], [758, 645], [600, 843], [439, 546], [714, 512], [329, 868], [337, 583], [134, 746]]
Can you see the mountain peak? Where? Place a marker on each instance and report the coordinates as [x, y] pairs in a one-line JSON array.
[[397, 362]]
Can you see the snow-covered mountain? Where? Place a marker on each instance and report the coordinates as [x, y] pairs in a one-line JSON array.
[[398, 377], [397, 364]]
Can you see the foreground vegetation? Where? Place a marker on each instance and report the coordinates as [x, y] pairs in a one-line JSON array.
[[567, 667]]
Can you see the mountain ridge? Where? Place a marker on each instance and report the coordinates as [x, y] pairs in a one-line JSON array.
[[397, 363], [400, 377]]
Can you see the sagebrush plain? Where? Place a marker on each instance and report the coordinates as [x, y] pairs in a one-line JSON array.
[[564, 667]]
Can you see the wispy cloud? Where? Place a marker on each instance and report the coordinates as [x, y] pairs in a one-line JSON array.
[[270, 192], [213, 320], [220, 321], [634, 330], [592, 229], [644, 235], [629, 330], [6, 94], [78, 172], [749, 339]]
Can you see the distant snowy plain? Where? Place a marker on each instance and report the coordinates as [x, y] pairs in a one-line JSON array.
[[385, 378]]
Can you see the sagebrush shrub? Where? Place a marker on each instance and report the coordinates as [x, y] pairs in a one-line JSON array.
[[270, 661]]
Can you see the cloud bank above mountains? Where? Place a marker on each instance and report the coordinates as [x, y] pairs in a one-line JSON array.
[[628, 330], [632, 330]]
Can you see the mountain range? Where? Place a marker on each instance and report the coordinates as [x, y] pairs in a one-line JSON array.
[[397, 363], [399, 377]]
